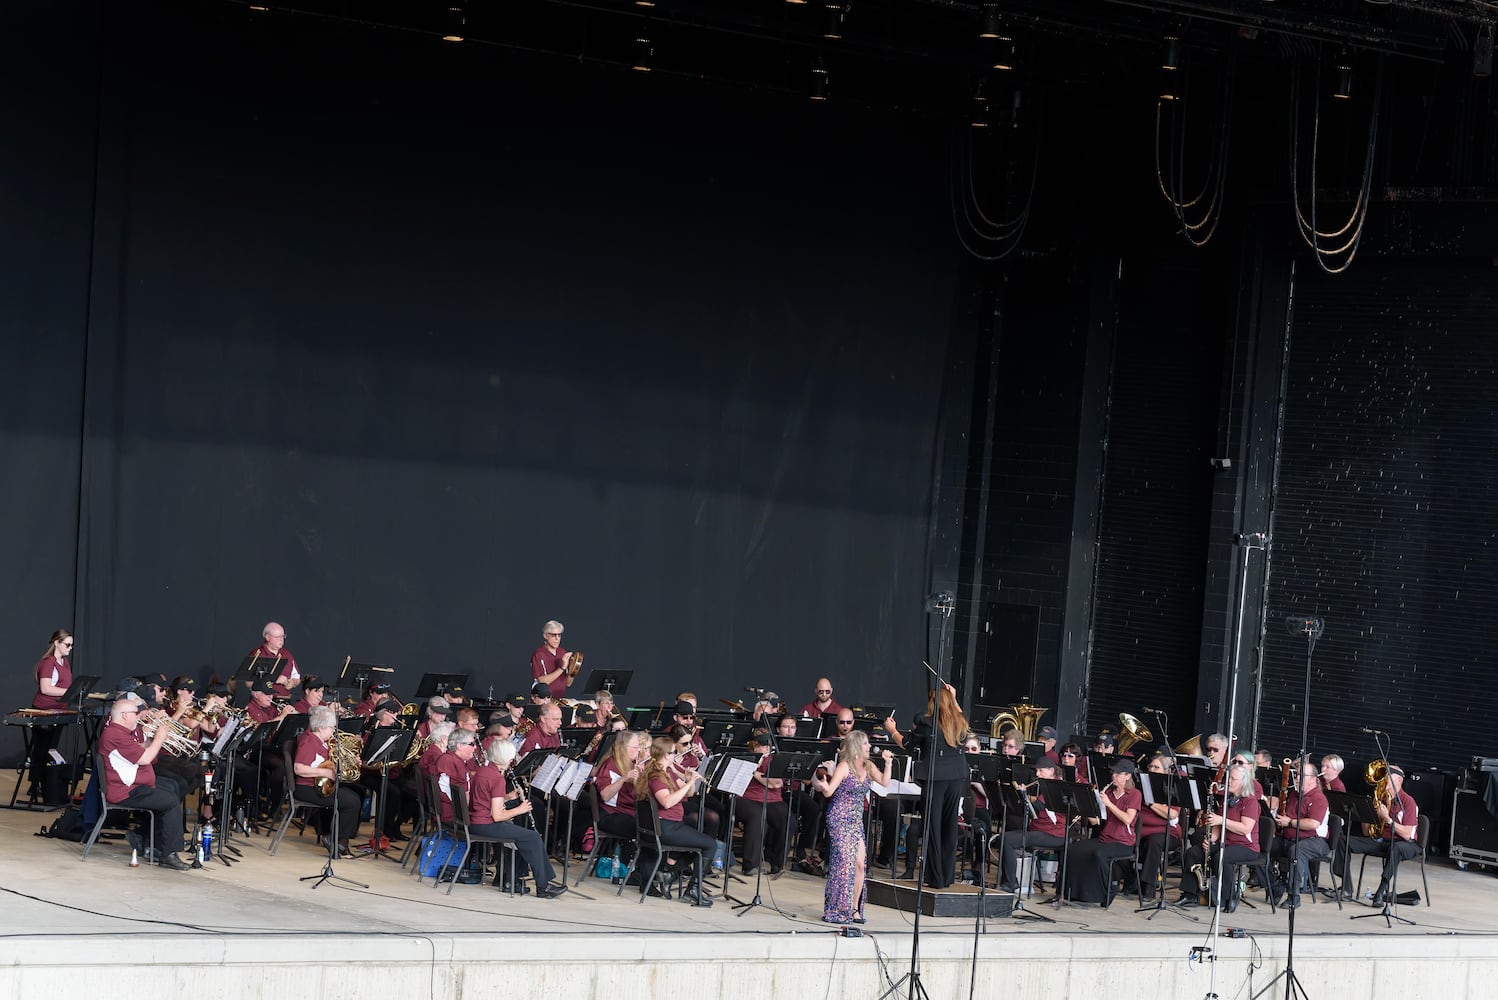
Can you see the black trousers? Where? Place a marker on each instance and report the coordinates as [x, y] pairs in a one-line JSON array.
[[349, 802], [762, 819], [941, 853], [165, 800], [395, 803], [1392, 853], [1025, 839], [527, 844], [1234, 854], [1155, 849]]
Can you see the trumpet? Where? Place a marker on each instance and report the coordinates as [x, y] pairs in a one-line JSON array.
[[180, 740]]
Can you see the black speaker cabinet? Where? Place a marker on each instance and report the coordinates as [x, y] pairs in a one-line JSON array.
[[1429, 790], [1474, 830]]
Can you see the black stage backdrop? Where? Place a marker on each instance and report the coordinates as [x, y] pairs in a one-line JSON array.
[[412, 346]]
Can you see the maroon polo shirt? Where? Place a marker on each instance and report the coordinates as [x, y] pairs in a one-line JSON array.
[[287, 675], [311, 751], [259, 713], [1048, 822], [488, 784], [667, 812], [427, 762], [757, 792], [811, 711], [452, 772], [1151, 822], [57, 672], [1244, 808], [624, 800], [537, 740], [121, 749], [1114, 830], [1316, 808], [544, 661], [1405, 813]]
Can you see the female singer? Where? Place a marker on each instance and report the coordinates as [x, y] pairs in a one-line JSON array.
[[667, 780], [948, 774], [846, 789], [53, 677], [1089, 875], [489, 815], [313, 762], [1157, 823], [1241, 824]]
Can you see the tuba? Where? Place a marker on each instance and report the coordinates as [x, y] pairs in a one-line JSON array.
[[1132, 732], [1192, 747], [1023, 717]]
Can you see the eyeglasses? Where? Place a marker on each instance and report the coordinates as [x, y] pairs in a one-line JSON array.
[[1069, 754], [845, 722], [553, 635], [824, 690]]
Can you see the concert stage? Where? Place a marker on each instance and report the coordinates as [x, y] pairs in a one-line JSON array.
[[76, 928]]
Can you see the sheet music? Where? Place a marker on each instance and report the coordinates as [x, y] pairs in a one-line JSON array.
[[230, 728], [379, 755], [574, 777], [895, 788], [737, 774], [546, 775]]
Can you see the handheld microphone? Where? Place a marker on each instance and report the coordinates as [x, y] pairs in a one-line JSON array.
[[1379, 732], [753, 690]]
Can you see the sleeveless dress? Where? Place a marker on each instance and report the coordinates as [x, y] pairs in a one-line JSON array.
[[845, 847]]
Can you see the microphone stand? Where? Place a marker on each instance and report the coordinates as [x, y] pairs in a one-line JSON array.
[[943, 604], [1392, 894], [333, 833], [1160, 905]]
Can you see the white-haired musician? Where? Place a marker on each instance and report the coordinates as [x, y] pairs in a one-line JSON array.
[[489, 815], [129, 778], [312, 764]]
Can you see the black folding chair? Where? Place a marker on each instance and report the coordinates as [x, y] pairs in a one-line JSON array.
[[106, 807], [601, 838], [293, 804], [467, 838]]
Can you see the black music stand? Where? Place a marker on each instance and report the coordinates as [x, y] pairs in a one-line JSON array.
[[432, 684], [616, 682], [1359, 809], [1100, 765], [791, 767], [808, 729], [1077, 800], [361, 675], [722, 734], [1171, 791], [384, 749], [333, 832], [998, 774], [76, 697]]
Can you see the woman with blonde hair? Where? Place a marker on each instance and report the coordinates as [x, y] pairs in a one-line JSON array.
[[668, 781], [845, 788]]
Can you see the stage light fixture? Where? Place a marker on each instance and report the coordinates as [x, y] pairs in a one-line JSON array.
[[834, 28], [1005, 57], [993, 22], [457, 23], [820, 84], [644, 3], [1171, 60], [981, 115], [643, 52], [1344, 77], [1482, 51]]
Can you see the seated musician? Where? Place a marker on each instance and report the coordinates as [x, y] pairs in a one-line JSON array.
[[615, 779], [131, 780], [1046, 830], [314, 762], [400, 803], [426, 764], [669, 782], [468, 718], [314, 691], [273, 648], [546, 733], [179, 704], [437, 710], [374, 693], [1264, 760], [491, 815], [764, 812], [453, 770], [809, 805], [1048, 737], [1012, 746], [1393, 839], [1240, 828], [1159, 824], [1089, 878], [769, 703], [1331, 773], [1302, 833], [1072, 756], [976, 815], [687, 738], [501, 727]]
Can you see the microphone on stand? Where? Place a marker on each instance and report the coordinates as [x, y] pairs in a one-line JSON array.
[[1377, 732], [1153, 711]]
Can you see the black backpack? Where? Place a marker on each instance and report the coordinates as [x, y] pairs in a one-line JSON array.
[[67, 826]]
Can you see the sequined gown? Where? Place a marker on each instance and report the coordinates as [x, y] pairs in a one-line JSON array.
[[845, 847]]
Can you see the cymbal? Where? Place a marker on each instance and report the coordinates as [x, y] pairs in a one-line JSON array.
[[736, 706]]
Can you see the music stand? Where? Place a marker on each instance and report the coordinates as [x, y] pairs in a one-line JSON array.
[[74, 697], [1171, 791], [333, 835], [998, 773], [1077, 800], [616, 682], [364, 674], [809, 729], [433, 684], [1100, 765], [383, 749], [720, 734]]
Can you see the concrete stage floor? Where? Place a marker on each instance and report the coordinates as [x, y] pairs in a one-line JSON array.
[[255, 930]]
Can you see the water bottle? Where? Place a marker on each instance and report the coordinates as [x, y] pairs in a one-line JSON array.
[[207, 841], [617, 868]]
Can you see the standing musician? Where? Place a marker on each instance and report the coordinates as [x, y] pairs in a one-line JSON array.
[[763, 810], [489, 815], [1159, 824], [550, 663], [314, 762], [1331, 773], [130, 779], [273, 647], [1240, 826], [1302, 831], [54, 675], [667, 781], [1046, 829], [1089, 878], [1393, 840]]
